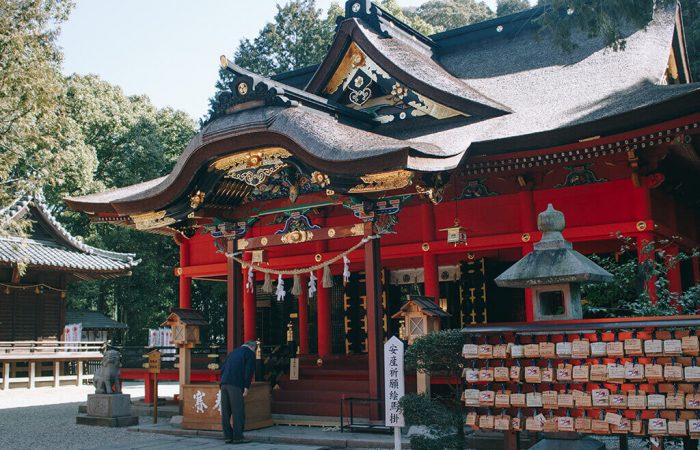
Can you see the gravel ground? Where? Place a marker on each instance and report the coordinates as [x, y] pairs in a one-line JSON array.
[[53, 426]]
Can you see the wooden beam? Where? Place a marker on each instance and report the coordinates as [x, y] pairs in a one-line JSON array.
[[440, 246], [298, 237]]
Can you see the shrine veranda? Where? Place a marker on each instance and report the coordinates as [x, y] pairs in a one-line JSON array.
[[424, 161]]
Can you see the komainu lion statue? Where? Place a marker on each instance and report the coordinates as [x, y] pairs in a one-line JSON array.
[[108, 374]]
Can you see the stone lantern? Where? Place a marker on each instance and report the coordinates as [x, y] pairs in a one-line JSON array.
[[554, 272]]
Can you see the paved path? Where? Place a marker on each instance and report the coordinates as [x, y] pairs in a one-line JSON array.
[[54, 427]]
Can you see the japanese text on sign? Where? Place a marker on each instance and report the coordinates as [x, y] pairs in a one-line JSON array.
[[393, 382]]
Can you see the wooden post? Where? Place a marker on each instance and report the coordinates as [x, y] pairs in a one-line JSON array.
[[696, 269], [233, 301], [32, 375], [249, 306], [375, 338], [56, 373], [6, 376], [511, 440], [303, 317], [184, 368], [79, 370]]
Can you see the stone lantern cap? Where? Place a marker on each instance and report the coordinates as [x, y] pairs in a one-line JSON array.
[[553, 260]]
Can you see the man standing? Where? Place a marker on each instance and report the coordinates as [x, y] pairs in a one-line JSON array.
[[236, 376]]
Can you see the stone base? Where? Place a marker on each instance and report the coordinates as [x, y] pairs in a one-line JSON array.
[[112, 422], [109, 405], [585, 443]]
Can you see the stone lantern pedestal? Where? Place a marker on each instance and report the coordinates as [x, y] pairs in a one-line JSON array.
[[555, 271]]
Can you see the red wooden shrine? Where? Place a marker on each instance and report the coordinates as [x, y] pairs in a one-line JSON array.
[[401, 135]]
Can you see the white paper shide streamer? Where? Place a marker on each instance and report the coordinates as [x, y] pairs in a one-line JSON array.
[[280, 289], [312, 284], [250, 285], [346, 269]]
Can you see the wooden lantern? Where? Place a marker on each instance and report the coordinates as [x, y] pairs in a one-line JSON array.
[[185, 324], [456, 234], [421, 316]]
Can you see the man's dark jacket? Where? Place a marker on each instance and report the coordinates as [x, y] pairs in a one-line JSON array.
[[239, 367]]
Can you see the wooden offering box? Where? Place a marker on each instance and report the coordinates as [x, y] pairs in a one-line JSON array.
[[202, 411]]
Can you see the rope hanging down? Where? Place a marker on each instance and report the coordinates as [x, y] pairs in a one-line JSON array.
[[246, 264]]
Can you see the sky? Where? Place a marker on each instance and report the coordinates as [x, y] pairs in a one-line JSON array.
[[166, 49]]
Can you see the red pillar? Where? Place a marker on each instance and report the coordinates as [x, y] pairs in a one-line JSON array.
[[674, 272], [303, 317], [323, 303], [323, 311], [185, 282], [644, 254], [375, 329], [431, 281], [249, 306], [696, 270], [234, 322], [528, 224]]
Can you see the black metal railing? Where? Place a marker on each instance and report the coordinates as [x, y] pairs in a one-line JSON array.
[[364, 426]]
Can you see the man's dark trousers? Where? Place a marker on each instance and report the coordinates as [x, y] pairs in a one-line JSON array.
[[232, 403]]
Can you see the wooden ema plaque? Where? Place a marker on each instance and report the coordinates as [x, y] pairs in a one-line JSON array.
[[202, 411], [637, 383]]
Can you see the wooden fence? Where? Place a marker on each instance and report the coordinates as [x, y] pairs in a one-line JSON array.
[[30, 364]]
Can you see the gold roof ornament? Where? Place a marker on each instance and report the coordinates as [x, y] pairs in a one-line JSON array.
[[254, 166], [384, 181], [150, 220]]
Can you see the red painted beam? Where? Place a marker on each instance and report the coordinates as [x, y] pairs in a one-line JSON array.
[[438, 247]]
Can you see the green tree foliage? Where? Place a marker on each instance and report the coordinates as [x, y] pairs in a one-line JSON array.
[[409, 16], [299, 36], [505, 7], [448, 14], [437, 353], [134, 142], [628, 294], [40, 145]]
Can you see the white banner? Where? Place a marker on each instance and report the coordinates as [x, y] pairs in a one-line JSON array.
[[73, 332], [394, 386]]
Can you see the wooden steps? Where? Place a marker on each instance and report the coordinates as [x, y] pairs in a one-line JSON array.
[[320, 388]]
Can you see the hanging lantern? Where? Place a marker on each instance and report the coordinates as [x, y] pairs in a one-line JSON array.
[[456, 234], [257, 256]]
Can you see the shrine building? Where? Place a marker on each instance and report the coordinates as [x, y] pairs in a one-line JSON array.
[[394, 142]]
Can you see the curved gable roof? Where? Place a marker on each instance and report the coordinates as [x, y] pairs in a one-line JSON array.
[[410, 63]]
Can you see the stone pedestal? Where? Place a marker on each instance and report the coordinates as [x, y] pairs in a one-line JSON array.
[[108, 410], [580, 443]]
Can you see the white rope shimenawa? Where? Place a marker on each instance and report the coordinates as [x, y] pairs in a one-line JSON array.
[[246, 264]]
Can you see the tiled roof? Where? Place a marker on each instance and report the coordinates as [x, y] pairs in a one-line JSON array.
[[93, 320], [55, 247]]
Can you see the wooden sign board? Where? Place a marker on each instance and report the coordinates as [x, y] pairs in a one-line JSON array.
[[294, 369], [394, 387], [201, 407], [154, 361]]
